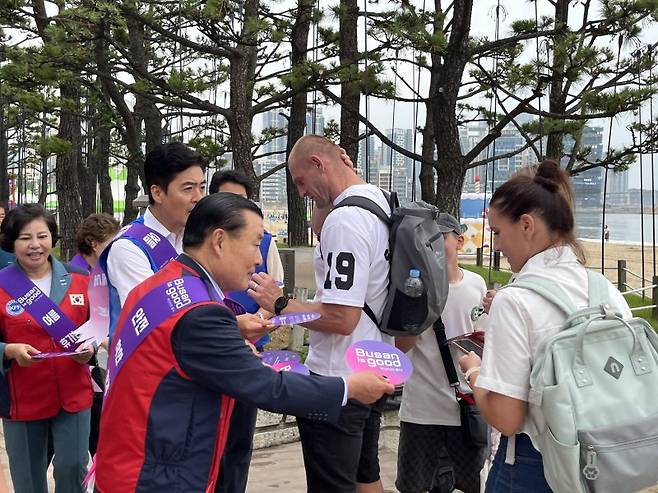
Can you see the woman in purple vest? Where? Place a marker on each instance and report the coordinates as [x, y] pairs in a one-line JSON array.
[[94, 234]]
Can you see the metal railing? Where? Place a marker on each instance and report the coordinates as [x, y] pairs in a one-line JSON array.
[[623, 274]]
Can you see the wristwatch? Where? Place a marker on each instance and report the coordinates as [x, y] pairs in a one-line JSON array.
[[280, 304]]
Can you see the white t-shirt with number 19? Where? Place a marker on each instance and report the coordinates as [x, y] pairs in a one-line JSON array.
[[353, 271]]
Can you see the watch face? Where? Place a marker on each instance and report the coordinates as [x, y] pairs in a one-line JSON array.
[[280, 304]]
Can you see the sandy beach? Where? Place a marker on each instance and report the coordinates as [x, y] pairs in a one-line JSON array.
[[613, 251]]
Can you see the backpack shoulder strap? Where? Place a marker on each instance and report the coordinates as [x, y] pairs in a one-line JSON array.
[[597, 289], [546, 289], [366, 204]]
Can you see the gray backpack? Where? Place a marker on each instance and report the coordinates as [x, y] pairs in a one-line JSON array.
[[415, 242]]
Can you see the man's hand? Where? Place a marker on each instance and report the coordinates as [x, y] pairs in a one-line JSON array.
[[346, 159], [264, 290], [367, 387], [252, 326], [22, 353], [86, 351], [253, 349]]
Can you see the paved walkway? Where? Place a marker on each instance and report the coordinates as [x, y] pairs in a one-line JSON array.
[[273, 470], [281, 469]]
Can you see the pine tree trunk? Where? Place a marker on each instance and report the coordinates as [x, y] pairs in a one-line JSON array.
[[101, 161], [131, 131], [427, 183], [242, 73], [86, 170], [557, 98], [68, 187], [145, 108], [297, 221], [43, 189], [451, 168], [348, 53], [4, 154], [132, 189]]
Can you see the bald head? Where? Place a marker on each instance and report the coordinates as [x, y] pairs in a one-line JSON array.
[[308, 145], [318, 169]]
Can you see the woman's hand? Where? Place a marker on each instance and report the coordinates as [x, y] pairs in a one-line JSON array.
[[468, 361], [85, 352], [22, 353]]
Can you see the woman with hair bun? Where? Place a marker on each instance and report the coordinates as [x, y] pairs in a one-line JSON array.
[[532, 220]]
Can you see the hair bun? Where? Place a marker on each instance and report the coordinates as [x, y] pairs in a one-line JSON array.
[[549, 175]]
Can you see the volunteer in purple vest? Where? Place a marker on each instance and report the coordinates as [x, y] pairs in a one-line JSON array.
[[233, 181], [243, 420], [94, 234], [175, 182], [178, 361], [42, 302]]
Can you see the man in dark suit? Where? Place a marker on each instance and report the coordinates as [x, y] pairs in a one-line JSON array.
[[178, 360]]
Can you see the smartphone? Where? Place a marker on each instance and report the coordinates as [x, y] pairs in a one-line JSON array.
[[466, 346]]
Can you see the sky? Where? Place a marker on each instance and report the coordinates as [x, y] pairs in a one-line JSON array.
[[483, 24]]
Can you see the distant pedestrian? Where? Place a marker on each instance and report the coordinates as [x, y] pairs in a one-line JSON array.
[[606, 233]]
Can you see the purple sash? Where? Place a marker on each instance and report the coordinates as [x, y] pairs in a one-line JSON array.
[[95, 329], [157, 246], [80, 262], [28, 297], [154, 308]]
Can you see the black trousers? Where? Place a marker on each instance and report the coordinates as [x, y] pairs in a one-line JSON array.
[[234, 467], [337, 456]]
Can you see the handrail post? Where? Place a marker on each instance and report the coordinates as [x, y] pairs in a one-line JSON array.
[[496, 265], [621, 275], [654, 297]]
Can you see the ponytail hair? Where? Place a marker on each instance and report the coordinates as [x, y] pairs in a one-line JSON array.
[[548, 194]]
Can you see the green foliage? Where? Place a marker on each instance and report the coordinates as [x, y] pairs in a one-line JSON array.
[[555, 126], [523, 26], [332, 130], [215, 9], [47, 146], [187, 80], [300, 73], [208, 146], [625, 99]]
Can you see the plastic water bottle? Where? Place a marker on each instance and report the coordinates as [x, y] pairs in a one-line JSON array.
[[413, 286]]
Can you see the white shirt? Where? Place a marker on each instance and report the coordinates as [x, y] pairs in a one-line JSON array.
[[353, 271], [45, 283], [274, 264], [519, 320], [128, 265], [427, 398]]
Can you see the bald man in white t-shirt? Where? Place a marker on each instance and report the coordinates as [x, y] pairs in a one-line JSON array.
[[353, 271]]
